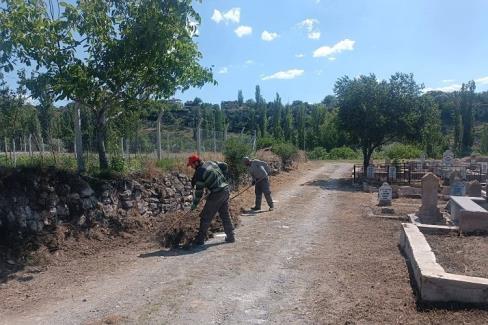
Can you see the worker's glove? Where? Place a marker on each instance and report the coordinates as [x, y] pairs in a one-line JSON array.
[[193, 207]]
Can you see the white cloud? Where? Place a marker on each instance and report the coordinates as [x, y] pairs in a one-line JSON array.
[[319, 72], [268, 36], [243, 31], [447, 89], [331, 58], [482, 81], [248, 62], [448, 80], [299, 55], [325, 51], [233, 15], [224, 70], [314, 35], [310, 25], [288, 74]]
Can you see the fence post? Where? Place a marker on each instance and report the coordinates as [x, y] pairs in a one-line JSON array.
[[254, 141], [14, 153], [214, 141], [30, 145], [167, 144], [199, 137], [6, 149], [78, 141], [160, 115], [354, 173]]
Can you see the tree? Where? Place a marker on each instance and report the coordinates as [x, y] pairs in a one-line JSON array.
[[240, 97], [261, 111], [105, 54], [277, 108], [432, 138], [484, 140], [466, 102], [377, 112]]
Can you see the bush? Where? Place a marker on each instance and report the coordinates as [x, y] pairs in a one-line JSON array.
[[265, 142], [318, 153], [117, 164], [344, 153], [234, 150], [285, 150], [397, 151]]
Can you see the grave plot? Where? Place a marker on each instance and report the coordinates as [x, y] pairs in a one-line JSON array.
[[446, 250]]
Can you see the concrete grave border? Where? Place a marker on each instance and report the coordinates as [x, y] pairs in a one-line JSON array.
[[433, 282]]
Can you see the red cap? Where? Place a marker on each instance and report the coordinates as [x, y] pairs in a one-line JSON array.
[[192, 159]]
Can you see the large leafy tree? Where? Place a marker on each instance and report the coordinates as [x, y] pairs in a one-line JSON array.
[[104, 54], [377, 112]]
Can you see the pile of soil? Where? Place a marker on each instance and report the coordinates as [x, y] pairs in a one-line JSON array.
[[465, 255]]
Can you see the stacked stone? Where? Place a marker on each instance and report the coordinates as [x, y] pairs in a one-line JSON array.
[[47, 198]]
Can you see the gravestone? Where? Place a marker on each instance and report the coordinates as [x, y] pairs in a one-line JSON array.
[[448, 158], [458, 188], [462, 172], [385, 194], [422, 158], [484, 167], [392, 173], [370, 171], [429, 212], [453, 176], [473, 188]]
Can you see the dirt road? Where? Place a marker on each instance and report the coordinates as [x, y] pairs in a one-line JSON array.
[[314, 260]]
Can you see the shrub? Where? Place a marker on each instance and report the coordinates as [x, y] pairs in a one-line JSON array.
[[344, 153], [234, 150], [285, 151], [396, 151], [117, 164], [318, 153], [265, 142]]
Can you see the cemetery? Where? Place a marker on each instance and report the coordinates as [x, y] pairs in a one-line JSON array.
[[444, 234]]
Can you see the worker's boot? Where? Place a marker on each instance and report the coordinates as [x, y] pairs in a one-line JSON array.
[[255, 208], [230, 239]]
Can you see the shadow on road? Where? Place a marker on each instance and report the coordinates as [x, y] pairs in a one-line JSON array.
[[333, 184], [179, 251]]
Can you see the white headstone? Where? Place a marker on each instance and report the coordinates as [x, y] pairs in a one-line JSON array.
[[370, 171], [385, 194], [458, 188], [392, 173], [484, 167], [422, 158]]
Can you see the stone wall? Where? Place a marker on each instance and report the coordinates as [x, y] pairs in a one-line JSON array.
[[33, 200]]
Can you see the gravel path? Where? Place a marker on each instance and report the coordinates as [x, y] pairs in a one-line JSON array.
[[316, 259]]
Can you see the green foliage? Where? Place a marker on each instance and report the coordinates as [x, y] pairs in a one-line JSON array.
[[234, 150], [401, 151], [265, 142], [318, 153], [344, 153], [133, 50], [285, 150], [117, 164], [168, 164], [484, 140], [377, 112]]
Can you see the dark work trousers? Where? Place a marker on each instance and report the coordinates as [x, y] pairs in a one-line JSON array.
[[216, 202], [260, 188]]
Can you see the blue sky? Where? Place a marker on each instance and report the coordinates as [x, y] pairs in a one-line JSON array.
[[308, 44], [299, 48]]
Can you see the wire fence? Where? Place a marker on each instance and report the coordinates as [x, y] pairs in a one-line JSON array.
[[173, 143]]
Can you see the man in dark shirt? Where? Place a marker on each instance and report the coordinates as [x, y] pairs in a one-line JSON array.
[[210, 175]]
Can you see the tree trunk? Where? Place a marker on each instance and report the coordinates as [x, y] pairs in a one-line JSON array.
[[101, 138]]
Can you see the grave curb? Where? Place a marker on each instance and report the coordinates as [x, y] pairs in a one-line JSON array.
[[433, 283]]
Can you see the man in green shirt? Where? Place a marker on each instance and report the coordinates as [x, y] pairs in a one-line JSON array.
[[210, 175]]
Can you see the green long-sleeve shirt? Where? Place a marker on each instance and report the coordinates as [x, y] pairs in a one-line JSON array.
[[209, 175]]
